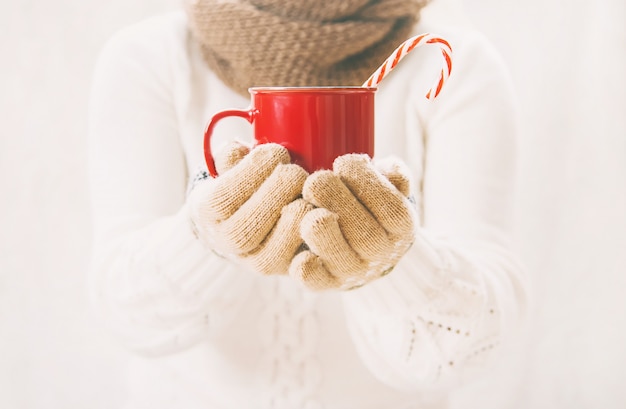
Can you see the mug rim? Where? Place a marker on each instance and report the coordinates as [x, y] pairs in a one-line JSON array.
[[344, 88]]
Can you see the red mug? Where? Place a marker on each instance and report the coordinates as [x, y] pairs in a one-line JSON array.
[[315, 124]]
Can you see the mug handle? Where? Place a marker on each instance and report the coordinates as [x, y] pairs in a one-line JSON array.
[[249, 115]]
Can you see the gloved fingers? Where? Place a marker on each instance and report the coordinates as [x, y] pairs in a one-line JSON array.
[[230, 155], [387, 205], [233, 188], [308, 268], [320, 231], [274, 255], [361, 230], [396, 172], [246, 229]]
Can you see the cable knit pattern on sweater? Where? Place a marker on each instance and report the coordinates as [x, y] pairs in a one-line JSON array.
[[290, 332]]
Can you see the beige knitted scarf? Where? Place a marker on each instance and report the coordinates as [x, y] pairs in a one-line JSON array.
[[299, 42]]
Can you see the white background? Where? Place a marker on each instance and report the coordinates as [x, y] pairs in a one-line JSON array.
[[568, 62]]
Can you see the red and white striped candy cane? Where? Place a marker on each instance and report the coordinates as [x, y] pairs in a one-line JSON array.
[[405, 48]]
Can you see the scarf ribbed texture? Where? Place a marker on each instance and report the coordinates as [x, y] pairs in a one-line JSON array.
[[299, 42]]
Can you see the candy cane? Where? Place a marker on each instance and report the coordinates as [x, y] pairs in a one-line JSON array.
[[406, 47]]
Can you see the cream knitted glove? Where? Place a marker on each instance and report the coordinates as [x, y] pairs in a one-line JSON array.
[[252, 211], [363, 223]]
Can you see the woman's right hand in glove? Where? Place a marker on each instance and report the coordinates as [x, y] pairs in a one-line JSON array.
[[252, 211]]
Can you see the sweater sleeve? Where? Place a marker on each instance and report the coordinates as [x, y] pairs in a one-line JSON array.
[[460, 290], [150, 280]]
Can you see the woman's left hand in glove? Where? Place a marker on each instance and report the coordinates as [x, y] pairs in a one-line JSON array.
[[362, 225]]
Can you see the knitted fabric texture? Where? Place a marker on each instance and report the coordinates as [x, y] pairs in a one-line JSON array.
[[252, 212], [362, 225], [299, 43]]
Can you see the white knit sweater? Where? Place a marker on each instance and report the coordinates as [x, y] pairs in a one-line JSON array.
[[209, 334]]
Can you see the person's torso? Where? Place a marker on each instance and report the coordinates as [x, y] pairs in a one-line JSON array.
[[287, 347]]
